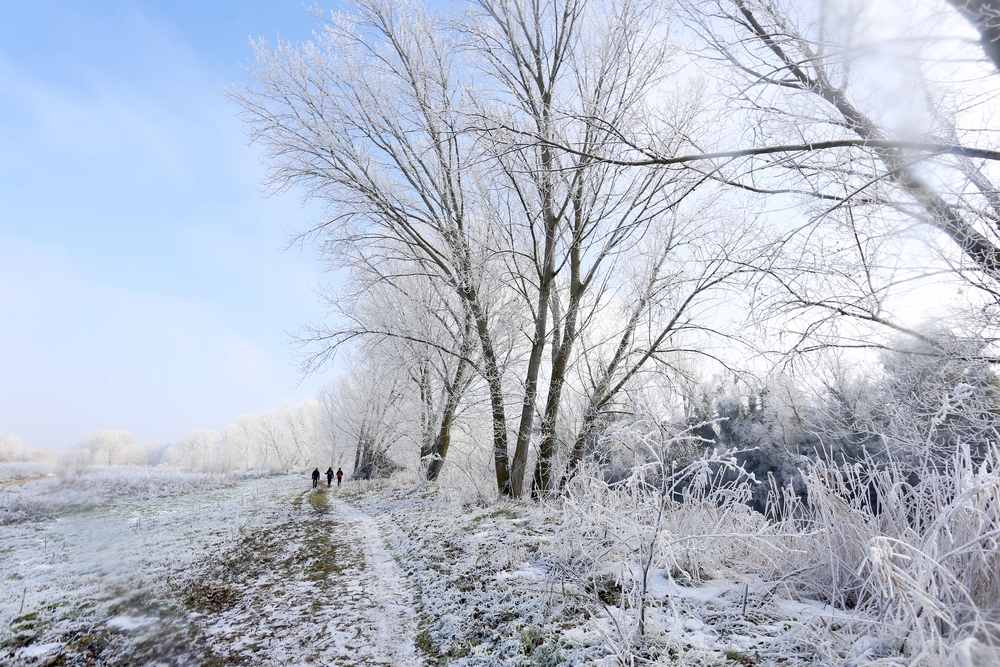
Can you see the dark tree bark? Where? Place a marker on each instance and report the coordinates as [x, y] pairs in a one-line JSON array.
[[984, 15]]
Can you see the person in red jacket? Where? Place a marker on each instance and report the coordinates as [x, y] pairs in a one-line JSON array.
[[340, 475]]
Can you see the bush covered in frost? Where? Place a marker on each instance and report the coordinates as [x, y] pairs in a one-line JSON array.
[[904, 552], [12, 471]]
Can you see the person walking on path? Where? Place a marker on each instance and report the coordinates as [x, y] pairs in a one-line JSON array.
[[315, 478], [329, 476], [340, 475]]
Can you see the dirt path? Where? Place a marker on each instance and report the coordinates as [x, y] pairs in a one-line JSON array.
[[317, 588], [265, 573], [390, 604], [22, 481]]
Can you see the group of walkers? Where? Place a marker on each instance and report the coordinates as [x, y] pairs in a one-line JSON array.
[[329, 476]]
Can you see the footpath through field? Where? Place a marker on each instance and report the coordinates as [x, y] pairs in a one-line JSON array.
[[265, 572]]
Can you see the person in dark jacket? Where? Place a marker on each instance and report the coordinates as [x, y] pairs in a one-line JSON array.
[[340, 475], [329, 476], [315, 478]]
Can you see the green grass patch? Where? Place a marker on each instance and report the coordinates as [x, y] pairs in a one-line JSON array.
[[506, 513], [25, 630], [91, 640], [318, 501], [739, 658], [302, 548]]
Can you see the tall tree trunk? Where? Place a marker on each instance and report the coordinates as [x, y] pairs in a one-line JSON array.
[[427, 414], [358, 456], [491, 371], [546, 275], [443, 440]]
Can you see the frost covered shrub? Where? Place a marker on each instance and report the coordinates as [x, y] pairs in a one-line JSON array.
[[922, 557], [74, 462], [907, 548], [928, 400], [687, 519], [763, 429], [12, 471], [629, 441]]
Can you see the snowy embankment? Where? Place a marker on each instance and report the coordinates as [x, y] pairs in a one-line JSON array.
[[270, 571], [573, 583], [51, 494]]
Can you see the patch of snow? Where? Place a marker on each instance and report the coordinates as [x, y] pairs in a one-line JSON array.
[[810, 609], [662, 587], [130, 622], [38, 650], [525, 571]]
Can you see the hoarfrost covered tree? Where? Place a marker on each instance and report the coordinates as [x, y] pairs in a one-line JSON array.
[[433, 142], [241, 439], [288, 436], [112, 448], [368, 119], [198, 451], [665, 315], [302, 430], [562, 79], [424, 327], [894, 167], [11, 448], [369, 406]]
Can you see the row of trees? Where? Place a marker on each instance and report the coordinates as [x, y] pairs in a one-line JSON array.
[[278, 440], [475, 243], [289, 438], [553, 208]]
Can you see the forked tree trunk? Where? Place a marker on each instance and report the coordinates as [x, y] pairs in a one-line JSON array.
[[455, 390], [546, 275], [563, 349]]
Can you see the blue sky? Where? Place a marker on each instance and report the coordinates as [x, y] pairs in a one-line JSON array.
[[142, 280]]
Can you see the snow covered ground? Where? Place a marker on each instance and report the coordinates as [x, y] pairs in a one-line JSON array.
[[261, 572], [269, 572]]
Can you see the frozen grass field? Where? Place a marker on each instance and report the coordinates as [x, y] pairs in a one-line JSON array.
[[33, 491], [256, 572]]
